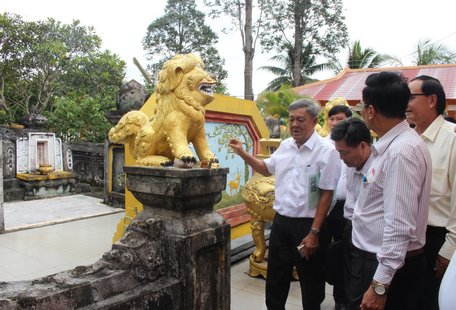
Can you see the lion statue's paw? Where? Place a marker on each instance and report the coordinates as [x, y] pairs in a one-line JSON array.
[[185, 162], [154, 161], [214, 162]]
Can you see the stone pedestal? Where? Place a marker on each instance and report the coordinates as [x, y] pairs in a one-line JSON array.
[[198, 237], [174, 255]]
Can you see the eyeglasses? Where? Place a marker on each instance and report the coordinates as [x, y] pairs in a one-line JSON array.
[[413, 96], [418, 94]]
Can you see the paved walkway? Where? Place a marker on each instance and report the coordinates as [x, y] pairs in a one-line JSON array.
[[36, 213], [76, 230]]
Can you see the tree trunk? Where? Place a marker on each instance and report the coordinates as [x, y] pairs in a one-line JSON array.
[[297, 51], [249, 52]]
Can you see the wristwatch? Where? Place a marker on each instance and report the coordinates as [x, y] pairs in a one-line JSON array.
[[315, 231], [379, 288]]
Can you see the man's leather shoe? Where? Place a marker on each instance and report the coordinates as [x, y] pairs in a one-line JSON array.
[[341, 307]]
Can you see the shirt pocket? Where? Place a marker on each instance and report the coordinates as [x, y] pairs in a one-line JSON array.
[[439, 180]]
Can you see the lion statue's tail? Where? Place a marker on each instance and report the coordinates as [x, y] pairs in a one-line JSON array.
[[128, 127]]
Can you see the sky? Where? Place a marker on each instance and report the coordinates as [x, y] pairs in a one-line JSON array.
[[389, 26]]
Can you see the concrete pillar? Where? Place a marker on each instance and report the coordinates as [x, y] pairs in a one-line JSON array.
[[199, 238]]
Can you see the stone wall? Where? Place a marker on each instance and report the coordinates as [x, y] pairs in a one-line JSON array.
[[88, 162], [174, 255]]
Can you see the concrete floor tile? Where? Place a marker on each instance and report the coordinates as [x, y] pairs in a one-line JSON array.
[[243, 300]]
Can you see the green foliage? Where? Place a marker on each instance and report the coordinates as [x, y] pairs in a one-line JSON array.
[[45, 61], [428, 53], [277, 103], [359, 58], [228, 200], [182, 30], [309, 66], [79, 119]]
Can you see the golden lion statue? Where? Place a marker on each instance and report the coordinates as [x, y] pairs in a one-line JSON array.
[[182, 92]]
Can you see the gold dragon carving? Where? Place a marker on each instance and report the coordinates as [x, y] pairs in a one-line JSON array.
[[183, 90]]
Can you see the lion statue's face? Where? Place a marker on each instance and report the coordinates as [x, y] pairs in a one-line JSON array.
[[199, 85], [184, 76]]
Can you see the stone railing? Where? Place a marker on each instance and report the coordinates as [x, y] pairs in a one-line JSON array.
[[174, 255]]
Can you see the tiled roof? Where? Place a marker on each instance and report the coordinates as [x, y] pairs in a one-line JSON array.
[[350, 82]]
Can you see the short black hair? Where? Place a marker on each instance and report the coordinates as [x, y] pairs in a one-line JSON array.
[[340, 109], [388, 93], [352, 130], [432, 86]]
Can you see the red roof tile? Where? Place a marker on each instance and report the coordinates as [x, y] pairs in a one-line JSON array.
[[350, 83]]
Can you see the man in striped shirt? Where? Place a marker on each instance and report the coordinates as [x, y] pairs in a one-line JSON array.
[[390, 216]]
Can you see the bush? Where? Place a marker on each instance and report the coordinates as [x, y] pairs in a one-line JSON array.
[[79, 119]]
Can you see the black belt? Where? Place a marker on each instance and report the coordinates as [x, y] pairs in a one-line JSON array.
[[373, 256]]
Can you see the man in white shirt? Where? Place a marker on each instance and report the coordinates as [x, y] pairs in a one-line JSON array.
[[306, 169], [390, 216], [426, 106], [353, 142]]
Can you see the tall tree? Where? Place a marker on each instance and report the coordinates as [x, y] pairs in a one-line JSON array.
[[309, 66], [241, 14], [359, 58], [42, 56], [428, 53], [182, 30], [45, 60], [302, 23]]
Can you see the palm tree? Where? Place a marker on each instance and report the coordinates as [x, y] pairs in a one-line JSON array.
[[367, 58], [285, 72], [432, 54], [360, 59]]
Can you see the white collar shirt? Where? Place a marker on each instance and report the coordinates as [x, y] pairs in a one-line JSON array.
[[354, 184], [441, 142], [300, 172], [390, 215]]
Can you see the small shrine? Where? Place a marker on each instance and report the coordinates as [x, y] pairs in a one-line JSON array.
[[37, 164], [40, 165]]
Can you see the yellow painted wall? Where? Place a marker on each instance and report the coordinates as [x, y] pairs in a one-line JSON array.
[[222, 104]]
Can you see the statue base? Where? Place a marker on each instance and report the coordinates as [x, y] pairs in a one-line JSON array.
[[257, 269], [261, 269]]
